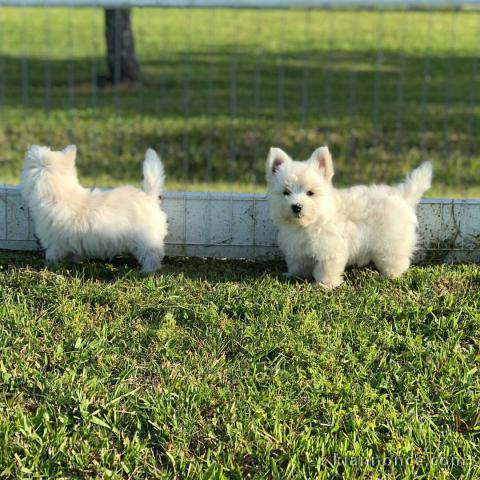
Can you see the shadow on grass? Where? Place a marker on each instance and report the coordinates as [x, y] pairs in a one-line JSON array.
[[196, 269], [208, 270], [228, 82]]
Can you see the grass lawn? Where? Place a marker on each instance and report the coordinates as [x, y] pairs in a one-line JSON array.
[[216, 369], [385, 89]]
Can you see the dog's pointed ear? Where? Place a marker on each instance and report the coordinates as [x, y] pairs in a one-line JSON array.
[[276, 158], [70, 152], [323, 159]]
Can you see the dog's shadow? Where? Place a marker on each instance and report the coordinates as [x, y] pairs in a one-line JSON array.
[[123, 267], [176, 268]]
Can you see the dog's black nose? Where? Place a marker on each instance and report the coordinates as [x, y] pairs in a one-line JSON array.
[[296, 208]]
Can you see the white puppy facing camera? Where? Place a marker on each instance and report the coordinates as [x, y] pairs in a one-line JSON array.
[[321, 229]]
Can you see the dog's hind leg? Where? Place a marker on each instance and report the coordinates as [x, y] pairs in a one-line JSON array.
[[395, 260], [151, 259], [394, 266], [55, 254]]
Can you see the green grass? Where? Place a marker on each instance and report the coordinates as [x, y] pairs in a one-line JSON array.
[[215, 369], [385, 90]]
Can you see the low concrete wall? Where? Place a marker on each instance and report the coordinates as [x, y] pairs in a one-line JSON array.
[[233, 225]]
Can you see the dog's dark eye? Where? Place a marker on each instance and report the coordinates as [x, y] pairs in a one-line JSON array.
[[310, 193], [159, 197], [286, 192]]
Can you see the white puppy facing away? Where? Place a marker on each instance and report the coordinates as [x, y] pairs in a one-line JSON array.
[[72, 222], [323, 229]]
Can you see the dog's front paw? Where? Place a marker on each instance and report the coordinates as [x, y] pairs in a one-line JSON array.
[[150, 270], [329, 283]]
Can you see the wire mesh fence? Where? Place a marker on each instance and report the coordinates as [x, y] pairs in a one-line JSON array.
[[384, 87]]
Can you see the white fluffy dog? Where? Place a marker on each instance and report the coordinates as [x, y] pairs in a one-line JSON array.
[[323, 229], [72, 222]]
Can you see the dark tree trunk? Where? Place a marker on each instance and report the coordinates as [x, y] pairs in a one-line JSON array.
[[122, 63]]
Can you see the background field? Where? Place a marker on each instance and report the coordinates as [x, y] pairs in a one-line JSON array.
[[385, 89], [106, 373]]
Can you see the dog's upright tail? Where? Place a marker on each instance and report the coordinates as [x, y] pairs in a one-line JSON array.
[[416, 183], [153, 174]]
